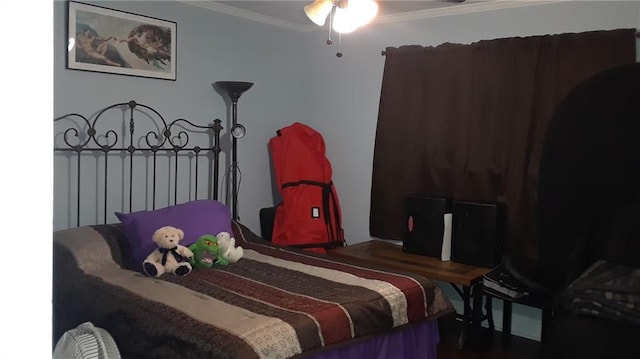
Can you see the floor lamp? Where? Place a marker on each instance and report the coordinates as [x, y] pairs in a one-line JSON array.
[[234, 89]]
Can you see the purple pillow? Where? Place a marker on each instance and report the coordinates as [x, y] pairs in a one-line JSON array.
[[195, 218]]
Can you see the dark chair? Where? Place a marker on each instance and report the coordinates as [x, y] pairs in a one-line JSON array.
[[589, 209], [267, 216]]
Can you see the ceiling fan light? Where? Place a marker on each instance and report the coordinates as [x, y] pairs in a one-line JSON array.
[[318, 11], [363, 10], [344, 20], [356, 13]]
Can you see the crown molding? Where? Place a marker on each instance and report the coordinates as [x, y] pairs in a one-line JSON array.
[[249, 15], [459, 9]]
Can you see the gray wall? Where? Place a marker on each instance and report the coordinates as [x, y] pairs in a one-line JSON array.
[[298, 78], [210, 47]]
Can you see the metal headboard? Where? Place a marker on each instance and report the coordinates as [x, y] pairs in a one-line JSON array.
[[84, 137]]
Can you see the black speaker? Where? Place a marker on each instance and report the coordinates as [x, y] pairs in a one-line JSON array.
[[425, 224], [478, 232]]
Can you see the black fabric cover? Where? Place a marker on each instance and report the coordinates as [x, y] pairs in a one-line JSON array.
[[589, 207], [590, 168], [622, 236]]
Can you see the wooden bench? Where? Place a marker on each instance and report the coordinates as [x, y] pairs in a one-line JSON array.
[[465, 279]]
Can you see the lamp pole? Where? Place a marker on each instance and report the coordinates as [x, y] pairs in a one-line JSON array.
[[234, 89]]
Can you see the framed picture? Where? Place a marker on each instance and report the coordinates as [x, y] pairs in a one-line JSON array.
[[117, 42]]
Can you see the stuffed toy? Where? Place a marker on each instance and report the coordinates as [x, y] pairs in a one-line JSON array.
[[206, 252], [169, 257], [228, 247]]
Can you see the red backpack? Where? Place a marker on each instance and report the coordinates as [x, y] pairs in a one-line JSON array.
[[309, 215]]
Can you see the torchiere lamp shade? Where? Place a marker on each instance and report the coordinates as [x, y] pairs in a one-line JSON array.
[[234, 88]]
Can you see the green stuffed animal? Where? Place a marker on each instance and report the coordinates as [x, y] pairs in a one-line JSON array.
[[206, 252]]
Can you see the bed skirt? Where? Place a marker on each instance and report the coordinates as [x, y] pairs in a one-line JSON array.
[[419, 341]]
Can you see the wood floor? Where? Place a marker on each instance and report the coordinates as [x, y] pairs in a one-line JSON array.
[[494, 345]]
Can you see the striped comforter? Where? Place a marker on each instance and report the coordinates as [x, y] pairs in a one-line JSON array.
[[273, 303]]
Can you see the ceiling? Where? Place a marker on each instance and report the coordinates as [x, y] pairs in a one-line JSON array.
[[290, 14]]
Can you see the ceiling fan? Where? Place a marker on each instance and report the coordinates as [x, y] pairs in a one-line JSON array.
[[344, 15]]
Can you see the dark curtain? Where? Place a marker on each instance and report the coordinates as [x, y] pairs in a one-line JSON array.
[[468, 122]]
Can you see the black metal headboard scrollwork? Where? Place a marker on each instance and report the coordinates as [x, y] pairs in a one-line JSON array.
[[127, 157]]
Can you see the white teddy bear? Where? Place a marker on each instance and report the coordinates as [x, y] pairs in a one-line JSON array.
[[169, 257], [228, 249]]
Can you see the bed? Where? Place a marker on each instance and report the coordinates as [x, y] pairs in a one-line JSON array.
[[275, 302]]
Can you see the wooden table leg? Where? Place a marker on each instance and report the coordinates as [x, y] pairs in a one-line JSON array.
[[488, 307], [506, 319], [467, 314], [472, 315], [474, 339], [547, 314]]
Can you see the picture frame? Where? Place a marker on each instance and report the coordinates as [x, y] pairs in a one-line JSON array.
[[118, 42]]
